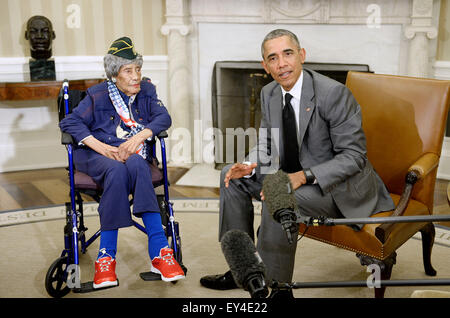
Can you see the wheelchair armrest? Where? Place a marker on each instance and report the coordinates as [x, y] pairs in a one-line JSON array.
[[163, 134], [417, 171], [66, 139]]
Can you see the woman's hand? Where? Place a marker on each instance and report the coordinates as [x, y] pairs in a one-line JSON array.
[[111, 152], [130, 146], [102, 148]]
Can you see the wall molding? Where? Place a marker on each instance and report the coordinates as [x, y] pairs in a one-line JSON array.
[[444, 161], [16, 69], [442, 70]]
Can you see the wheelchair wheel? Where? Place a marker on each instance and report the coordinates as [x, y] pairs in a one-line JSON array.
[[55, 280]]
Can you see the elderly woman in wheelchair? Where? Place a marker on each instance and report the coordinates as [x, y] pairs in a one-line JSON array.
[[111, 126]]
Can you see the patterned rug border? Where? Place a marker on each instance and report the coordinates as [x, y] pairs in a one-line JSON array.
[[185, 205], [56, 212]]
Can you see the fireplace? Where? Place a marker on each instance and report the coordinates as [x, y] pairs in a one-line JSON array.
[[236, 108], [393, 37]]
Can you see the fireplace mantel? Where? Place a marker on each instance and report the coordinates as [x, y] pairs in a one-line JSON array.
[[392, 37]]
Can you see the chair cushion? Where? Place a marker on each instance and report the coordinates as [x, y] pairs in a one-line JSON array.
[[157, 175], [364, 241], [85, 182]]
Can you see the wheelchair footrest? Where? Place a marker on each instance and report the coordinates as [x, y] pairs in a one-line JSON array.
[[150, 276], [88, 287]]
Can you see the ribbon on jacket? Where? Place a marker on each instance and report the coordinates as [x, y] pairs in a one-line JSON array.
[[124, 114]]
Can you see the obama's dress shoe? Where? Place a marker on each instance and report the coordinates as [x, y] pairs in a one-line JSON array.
[[219, 282]]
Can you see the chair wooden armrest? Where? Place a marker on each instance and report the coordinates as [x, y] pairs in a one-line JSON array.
[[424, 165], [418, 170]]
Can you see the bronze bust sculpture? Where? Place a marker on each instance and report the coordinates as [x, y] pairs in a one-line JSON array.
[[40, 34]]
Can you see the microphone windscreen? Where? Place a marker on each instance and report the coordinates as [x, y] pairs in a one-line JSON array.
[[241, 256], [278, 193]]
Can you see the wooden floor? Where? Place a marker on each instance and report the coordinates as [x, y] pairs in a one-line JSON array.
[[27, 189], [34, 188]]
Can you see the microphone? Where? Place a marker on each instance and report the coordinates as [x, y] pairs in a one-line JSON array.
[[281, 203], [245, 264]]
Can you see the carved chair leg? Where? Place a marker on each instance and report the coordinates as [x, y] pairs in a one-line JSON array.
[[428, 234], [385, 269]]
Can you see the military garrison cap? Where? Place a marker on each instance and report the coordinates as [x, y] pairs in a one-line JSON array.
[[123, 47]]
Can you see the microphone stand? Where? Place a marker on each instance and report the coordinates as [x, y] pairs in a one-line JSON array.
[[378, 284], [321, 220], [317, 221]]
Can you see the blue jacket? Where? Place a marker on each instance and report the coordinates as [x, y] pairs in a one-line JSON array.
[[95, 115]]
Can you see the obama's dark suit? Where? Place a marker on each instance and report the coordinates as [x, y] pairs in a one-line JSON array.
[[332, 145]]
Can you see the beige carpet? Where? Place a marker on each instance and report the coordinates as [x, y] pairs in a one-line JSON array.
[[203, 175], [28, 249]]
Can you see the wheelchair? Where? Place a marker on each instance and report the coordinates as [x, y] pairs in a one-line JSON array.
[[63, 274]]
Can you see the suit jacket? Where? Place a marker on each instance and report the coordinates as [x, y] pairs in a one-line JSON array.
[[331, 143]]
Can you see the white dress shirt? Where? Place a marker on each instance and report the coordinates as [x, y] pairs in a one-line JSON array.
[[296, 93]]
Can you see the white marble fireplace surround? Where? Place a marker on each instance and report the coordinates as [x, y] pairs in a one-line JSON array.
[[392, 37]]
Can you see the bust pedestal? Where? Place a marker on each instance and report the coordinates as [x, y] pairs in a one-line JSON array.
[[42, 70]]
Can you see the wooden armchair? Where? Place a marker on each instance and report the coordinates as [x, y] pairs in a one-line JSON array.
[[404, 121]]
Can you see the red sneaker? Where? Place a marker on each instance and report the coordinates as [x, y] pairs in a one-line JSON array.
[[105, 272], [166, 265]]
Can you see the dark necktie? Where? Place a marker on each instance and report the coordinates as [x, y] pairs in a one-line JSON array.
[[291, 162]]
